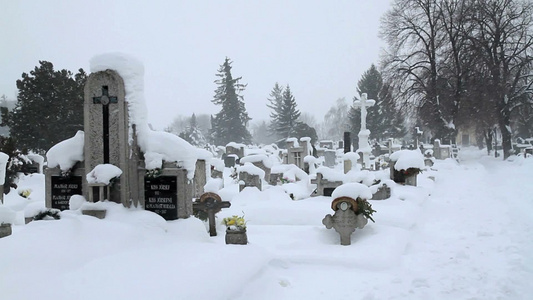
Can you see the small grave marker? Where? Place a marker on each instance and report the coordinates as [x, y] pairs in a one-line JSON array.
[[345, 220], [211, 204]]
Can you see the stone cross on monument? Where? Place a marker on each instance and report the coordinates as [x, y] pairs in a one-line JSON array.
[[364, 146]]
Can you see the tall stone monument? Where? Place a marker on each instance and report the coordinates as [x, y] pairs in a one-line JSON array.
[[108, 136], [364, 147]]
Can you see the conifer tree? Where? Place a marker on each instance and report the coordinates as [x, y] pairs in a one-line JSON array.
[[383, 119], [192, 134], [229, 125], [276, 105], [49, 107], [288, 115]]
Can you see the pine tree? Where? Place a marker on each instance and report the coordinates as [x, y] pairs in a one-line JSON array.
[[229, 125], [49, 107], [276, 105], [383, 119], [288, 116], [193, 135]]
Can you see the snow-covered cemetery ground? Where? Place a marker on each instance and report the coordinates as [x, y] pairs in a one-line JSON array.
[[464, 232]]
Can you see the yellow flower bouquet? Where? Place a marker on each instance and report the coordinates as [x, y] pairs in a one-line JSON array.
[[236, 223]]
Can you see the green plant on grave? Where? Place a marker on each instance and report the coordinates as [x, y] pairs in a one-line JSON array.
[[49, 213], [200, 214], [365, 208], [154, 173]]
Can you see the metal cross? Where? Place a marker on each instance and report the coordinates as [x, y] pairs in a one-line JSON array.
[[211, 204]]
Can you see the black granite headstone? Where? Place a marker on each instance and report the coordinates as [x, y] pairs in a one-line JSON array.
[[63, 188], [161, 196]]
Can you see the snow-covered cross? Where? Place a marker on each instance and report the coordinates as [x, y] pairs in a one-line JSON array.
[[363, 104], [364, 147]]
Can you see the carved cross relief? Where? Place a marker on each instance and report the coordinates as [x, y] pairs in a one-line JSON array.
[[105, 100]]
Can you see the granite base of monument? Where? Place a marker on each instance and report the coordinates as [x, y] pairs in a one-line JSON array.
[[97, 213]]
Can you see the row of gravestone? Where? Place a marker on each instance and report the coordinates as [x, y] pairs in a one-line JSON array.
[[347, 217]]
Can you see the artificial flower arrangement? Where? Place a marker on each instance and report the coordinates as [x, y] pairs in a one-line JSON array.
[[154, 173], [284, 180], [235, 223], [25, 193]]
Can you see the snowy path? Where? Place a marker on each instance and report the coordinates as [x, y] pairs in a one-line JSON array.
[[470, 239]]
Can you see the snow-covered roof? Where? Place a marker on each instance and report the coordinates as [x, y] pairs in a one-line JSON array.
[[406, 159], [157, 146], [67, 153], [294, 141], [330, 174], [352, 190], [251, 169], [257, 158], [236, 145], [291, 172]]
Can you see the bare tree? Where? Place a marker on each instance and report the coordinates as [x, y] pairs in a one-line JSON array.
[[503, 39], [413, 32]]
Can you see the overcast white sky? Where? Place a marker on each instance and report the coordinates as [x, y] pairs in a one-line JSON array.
[[320, 48]]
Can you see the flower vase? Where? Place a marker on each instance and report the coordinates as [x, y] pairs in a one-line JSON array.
[[236, 237]]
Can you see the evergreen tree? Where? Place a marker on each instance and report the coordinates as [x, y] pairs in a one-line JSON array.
[[383, 119], [288, 115], [193, 135], [15, 162], [276, 105], [49, 107], [229, 125]]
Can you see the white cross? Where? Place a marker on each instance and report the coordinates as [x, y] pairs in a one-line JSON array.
[[363, 104]]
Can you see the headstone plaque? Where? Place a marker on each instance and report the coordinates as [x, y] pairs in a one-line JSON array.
[[160, 196], [62, 188]]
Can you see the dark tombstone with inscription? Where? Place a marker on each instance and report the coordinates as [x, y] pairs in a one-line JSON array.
[[160, 196], [62, 188], [210, 203], [61, 185]]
